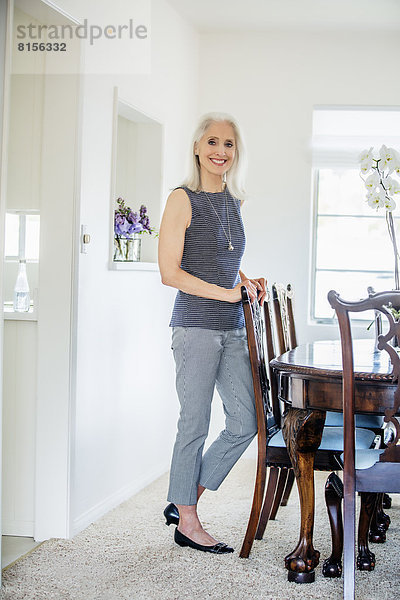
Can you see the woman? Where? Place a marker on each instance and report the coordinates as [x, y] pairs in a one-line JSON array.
[[200, 248]]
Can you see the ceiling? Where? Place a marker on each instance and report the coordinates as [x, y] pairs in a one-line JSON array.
[[310, 15]]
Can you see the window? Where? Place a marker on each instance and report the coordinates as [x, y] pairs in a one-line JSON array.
[[22, 236], [351, 245]]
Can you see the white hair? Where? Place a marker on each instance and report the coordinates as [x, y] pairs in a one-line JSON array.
[[235, 175]]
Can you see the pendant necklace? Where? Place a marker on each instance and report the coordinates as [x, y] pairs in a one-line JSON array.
[[228, 239]]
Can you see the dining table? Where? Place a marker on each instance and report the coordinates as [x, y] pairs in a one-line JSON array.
[[309, 380]]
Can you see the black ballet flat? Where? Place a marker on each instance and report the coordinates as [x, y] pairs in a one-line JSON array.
[[171, 514], [219, 548]]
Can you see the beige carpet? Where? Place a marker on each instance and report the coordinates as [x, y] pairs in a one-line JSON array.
[[129, 554]]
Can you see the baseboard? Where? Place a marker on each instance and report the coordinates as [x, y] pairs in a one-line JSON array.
[[18, 528], [93, 514]]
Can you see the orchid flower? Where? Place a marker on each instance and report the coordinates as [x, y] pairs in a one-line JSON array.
[[387, 159], [381, 188], [366, 159]]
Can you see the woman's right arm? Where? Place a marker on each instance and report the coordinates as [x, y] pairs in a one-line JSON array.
[[176, 218]]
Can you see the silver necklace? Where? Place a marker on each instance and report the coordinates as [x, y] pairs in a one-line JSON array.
[[228, 239]]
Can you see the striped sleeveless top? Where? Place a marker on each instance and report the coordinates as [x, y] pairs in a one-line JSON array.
[[206, 256]]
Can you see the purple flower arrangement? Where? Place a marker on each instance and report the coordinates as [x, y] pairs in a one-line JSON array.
[[127, 222]]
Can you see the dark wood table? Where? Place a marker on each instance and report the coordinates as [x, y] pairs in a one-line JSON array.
[[310, 383]]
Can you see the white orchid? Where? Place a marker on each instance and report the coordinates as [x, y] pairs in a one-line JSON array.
[[391, 185], [376, 199], [389, 204], [388, 159], [366, 159], [380, 185], [381, 188], [397, 164], [372, 181], [387, 183], [396, 188], [366, 155]]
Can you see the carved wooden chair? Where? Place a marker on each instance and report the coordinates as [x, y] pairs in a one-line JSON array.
[[367, 471], [271, 445], [286, 339]]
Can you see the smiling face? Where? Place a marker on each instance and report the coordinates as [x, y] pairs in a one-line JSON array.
[[216, 152]]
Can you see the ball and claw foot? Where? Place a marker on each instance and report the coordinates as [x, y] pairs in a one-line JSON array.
[[378, 535], [300, 567], [331, 568], [366, 561]]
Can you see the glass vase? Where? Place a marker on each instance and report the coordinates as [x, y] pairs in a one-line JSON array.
[[127, 249], [136, 247]]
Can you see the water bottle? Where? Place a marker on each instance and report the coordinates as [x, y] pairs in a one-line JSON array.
[[22, 299]]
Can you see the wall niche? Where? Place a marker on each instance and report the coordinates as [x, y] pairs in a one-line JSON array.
[[137, 175]]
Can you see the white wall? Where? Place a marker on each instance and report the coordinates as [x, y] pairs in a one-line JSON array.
[[126, 157], [271, 82], [126, 406]]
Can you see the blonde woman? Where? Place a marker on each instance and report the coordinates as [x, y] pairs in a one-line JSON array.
[[200, 249]]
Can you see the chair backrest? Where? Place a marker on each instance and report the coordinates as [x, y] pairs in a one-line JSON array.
[[284, 318], [388, 305], [271, 354], [258, 324], [377, 317], [268, 320], [292, 327], [381, 474]]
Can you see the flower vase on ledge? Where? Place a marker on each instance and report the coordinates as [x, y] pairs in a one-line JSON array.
[[128, 229], [127, 249]]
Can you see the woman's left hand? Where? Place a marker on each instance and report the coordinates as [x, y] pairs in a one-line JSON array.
[[260, 284]]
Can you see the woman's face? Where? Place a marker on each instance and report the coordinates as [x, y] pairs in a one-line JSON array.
[[216, 149]]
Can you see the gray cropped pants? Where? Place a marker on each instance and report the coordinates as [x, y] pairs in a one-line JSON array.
[[206, 358]]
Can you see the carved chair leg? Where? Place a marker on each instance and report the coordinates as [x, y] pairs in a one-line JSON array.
[[365, 558], [379, 523], [288, 488], [387, 501], [332, 566], [381, 516], [256, 506], [268, 501], [283, 475]]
